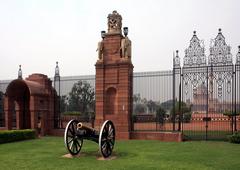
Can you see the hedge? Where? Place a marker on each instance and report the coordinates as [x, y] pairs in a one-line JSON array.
[[16, 135], [235, 138]]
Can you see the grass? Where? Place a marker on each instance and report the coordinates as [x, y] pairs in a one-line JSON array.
[[211, 135], [46, 153]]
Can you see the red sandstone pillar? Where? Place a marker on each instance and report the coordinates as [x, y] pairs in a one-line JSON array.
[[18, 121], [8, 113], [113, 85], [99, 90], [32, 113]]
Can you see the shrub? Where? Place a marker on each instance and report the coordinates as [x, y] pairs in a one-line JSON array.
[[235, 138], [160, 115], [16, 135], [76, 113], [72, 113], [187, 117]]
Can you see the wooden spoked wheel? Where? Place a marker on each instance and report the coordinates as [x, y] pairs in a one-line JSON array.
[[71, 140], [107, 138]]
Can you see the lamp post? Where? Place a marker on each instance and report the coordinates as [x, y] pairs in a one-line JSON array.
[[125, 31], [57, 97], [103, 34]]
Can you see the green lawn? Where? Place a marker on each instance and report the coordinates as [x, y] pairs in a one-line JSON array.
[[211, 135], [46, 153]]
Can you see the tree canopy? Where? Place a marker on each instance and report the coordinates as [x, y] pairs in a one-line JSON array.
[[81, 98]]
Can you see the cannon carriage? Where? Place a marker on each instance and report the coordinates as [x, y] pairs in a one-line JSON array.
[[75, 132]]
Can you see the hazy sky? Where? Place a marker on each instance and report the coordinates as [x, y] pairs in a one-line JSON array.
[[37, 33]]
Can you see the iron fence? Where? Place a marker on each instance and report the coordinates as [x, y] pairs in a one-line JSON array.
[[201, 99], [208, 92]]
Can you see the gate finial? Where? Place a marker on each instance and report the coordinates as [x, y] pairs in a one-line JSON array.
[[57, 70], [19, 72], [176, 60], [238, 56]]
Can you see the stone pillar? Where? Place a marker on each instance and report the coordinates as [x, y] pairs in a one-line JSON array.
[[125, 99], [32, 113], [99, 89], [114, 82], [18, 119], [50, 116], [8, 113]]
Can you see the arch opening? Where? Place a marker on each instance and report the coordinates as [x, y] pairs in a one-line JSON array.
[[18, 111]]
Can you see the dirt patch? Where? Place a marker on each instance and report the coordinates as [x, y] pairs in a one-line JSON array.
[[73, 156], [106, 159], [98, 157]]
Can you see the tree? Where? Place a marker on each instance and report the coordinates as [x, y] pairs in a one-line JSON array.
[[63, 103], [139, 108], [160, 115], [136, 98], [81, 98], [185, 111], [152, 106], [230, 113], [167, 105]]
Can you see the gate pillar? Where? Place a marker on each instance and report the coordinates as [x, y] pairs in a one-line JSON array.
[[114, 78]]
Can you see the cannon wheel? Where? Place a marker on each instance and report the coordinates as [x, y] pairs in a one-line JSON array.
[[71, 140], [107, 138]]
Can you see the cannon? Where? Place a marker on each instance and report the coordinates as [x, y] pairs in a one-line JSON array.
[[75, 132]]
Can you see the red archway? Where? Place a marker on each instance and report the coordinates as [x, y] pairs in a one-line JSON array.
[[30, 103], [18, 95]]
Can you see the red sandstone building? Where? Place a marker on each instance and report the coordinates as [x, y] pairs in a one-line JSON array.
[[29, 103]]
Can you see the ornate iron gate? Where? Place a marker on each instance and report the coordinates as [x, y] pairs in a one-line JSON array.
[[208, 93]]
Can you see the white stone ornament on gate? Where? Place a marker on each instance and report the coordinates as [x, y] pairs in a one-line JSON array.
[[220, 52], [195, 53], [114, 22]]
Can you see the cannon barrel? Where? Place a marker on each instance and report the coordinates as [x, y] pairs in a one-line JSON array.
[[81, 126]]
